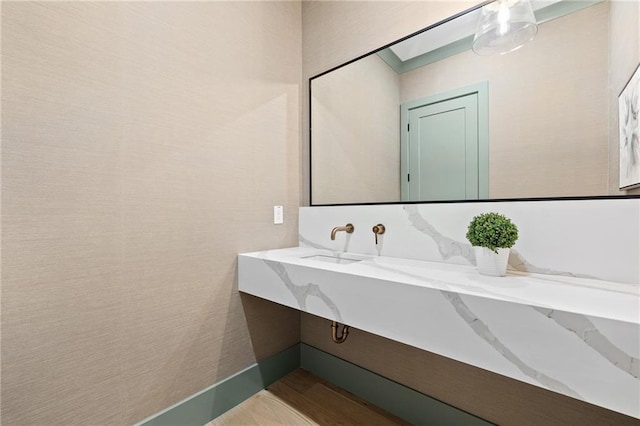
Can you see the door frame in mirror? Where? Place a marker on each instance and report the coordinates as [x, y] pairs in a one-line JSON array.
[[481, 90]]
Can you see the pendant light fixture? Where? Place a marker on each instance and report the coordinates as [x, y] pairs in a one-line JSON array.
[[504, 26]]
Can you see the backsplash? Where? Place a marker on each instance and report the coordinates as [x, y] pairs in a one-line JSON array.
[[585, 238]]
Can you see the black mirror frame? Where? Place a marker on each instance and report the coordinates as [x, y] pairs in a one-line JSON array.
[[488, 200]]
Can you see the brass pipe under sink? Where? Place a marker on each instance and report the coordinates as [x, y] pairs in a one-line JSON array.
[[334, 332]]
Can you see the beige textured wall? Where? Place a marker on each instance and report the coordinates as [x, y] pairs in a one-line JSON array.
[[624, 57], [335, 32], [356, 147], [143, 146], [548, 107]]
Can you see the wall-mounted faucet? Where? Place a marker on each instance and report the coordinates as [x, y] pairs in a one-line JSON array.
[[378, 230], [348, 228]]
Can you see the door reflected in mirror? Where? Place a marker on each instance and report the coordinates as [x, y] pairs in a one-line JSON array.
[[427, 119]]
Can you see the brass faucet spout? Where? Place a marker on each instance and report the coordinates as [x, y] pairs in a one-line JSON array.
[[348, 228]]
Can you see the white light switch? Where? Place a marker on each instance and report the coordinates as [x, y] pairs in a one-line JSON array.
[[278, 215]]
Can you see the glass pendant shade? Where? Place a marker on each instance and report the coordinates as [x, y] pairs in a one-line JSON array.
[[504, 26]]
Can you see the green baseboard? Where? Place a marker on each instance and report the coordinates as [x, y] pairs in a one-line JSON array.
[[406, 403], [206, 405]]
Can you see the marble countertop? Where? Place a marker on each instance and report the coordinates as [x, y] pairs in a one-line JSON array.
[[575, 336], [604, 299]]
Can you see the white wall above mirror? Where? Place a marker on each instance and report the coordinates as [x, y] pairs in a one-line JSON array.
[[533, 123]]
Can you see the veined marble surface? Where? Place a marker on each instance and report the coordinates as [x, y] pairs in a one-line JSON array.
[[577, 238], [576, 336]]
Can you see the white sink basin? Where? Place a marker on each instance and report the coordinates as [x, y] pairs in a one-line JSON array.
[[336, 259]]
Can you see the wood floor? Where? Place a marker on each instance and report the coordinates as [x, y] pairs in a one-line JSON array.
[[304, 399]]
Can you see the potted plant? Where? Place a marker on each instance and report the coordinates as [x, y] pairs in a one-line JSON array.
[[492, 235]]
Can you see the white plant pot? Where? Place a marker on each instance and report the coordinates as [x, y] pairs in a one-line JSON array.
[[490, 263]]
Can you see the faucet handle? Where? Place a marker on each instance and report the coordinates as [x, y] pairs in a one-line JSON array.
[[379, 229]]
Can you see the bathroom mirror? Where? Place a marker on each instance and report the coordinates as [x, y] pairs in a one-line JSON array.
[[533, 123]]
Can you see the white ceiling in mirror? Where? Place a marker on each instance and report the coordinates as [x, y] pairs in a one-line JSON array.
[[445, 35]]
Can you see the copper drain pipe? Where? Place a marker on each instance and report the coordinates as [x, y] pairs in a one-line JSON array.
[[334, 332]]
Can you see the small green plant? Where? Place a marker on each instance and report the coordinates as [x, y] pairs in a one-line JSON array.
[[492, 230]]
